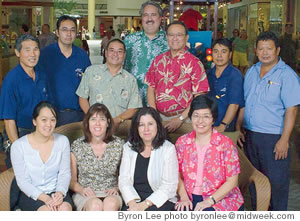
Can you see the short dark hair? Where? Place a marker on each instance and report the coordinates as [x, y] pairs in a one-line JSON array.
[[178, 23], [99, 109], [116, 40], [268, 35], [223, 41], [40, 106], [25, 27], [25, 37], [65, 18], [203, 102], [160, 12], [136, 142]]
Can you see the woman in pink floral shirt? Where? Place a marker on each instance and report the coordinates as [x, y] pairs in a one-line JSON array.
[[208, 163]]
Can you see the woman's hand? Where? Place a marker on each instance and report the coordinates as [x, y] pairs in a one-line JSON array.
[[113, 191], [184, 204], [49, 203], [142, 206], [202, 205], [87, 192], [57, 198]]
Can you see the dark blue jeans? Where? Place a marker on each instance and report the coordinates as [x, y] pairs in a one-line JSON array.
[[259, 148], [68, 116]]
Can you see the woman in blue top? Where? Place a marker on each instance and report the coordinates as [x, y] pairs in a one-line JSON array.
[[41, 163]]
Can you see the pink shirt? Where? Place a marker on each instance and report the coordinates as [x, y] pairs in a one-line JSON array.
[[221, 161], [201, 150], [176, 80]]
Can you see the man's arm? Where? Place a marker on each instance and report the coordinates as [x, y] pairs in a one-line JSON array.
[[175, 123], [229, 116], [84, 104], [151, 97], [11, 129], [126, 115], [281, 147], [239, 127]]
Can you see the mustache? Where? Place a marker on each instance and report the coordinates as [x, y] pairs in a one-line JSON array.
[[150, 21]]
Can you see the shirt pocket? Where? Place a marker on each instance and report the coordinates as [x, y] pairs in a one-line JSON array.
[[123, 95], [272, 92]]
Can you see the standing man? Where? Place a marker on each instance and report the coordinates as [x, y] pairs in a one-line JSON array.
[[271, 91], [226, 85], [64, 65], [143, 46], [22, 89], [47, 37], [110, 85], [174, 78]]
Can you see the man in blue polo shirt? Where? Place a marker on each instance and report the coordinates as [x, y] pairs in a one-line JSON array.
[[226, 85], [271, 92], [64, 64], [22, 89]]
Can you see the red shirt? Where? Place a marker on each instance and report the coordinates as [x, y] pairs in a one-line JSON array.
[[190, 18], [176, 80]]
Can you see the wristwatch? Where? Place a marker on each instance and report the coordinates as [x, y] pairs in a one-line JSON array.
[[181, 118], [213, 199], [226, 125], [121, 120]]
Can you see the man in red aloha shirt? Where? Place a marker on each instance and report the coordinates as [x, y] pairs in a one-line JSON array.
[[174, 78]]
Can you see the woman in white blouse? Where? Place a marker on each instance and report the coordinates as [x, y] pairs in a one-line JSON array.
[[149, 168], [41, 163]]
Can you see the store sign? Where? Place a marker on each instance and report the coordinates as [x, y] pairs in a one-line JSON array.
[[235, 1]]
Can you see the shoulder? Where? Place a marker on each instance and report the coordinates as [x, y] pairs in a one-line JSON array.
[[117, 142], [168, 146], [233, 72], [61, 138], [186, 138], [222, 140], [128, 75], [49, 49], [94, 68], [132, 37], [12, 75], [160, 56]]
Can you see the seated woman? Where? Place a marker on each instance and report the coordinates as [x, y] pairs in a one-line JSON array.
[[208, 163], [149, 168], [95, 161], [41, 163]]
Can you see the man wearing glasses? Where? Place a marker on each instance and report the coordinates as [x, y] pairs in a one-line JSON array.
[[64, 64], [174, 78], [111, 85]]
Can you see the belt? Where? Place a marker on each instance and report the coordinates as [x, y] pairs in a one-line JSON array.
[[172, 114]]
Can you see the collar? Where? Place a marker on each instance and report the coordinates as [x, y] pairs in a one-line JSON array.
[[179, 55], [225, 71], [280, 64], [24, 75], [58, 49], [213, 139], [160, 33], [120, 72]]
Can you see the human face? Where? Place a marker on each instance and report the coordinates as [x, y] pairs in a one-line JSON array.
[[151, 20], [45, 122], [66, 33], [147, 128], [29, 54], [45, 29], [115, 54], [267, 53], [202, 121], [221, 55], [176, 37], [98, 125]]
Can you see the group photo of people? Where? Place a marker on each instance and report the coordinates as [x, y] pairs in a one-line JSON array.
[[175, 153]]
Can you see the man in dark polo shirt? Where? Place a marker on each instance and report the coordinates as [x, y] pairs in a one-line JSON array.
[[64, 64], [226, 85]]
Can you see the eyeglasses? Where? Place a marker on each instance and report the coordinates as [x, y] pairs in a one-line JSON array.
[[178, 35], [66, 30], [112, 51], [205, 117]]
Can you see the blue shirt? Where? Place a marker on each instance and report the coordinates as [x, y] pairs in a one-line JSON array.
[[20, 94], [267, 99], [227, 89], [64, 74]]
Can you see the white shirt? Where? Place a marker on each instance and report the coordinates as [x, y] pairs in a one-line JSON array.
[[35, 177], [162, 174]]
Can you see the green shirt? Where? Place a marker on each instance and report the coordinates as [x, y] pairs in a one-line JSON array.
[[118, 93], [240, 45], [140, 52]]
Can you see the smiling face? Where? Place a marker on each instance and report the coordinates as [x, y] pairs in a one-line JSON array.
[[98, 125], [147, 128], [29, 54], [177, 38], [221, 55], [151, 20], [202, 121], [115, 53], [267, 52], [45, 122]]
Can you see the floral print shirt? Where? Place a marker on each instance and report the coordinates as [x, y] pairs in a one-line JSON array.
[[176, 80], [140, 52], [118, 93], [100, 174], [221, 161]]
